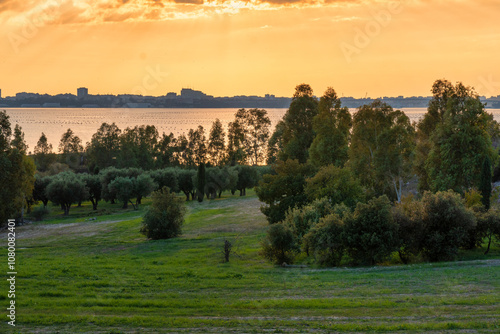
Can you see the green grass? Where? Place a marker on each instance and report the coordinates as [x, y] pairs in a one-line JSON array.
[[103, 276]]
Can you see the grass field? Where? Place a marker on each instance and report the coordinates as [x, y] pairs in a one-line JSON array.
[[102, 276]]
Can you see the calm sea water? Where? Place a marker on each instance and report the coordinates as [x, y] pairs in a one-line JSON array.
[[85, 121]]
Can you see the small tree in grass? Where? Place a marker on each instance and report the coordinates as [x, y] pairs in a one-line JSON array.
[[164, 217]]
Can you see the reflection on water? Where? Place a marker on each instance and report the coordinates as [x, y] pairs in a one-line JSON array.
[[85, 121]]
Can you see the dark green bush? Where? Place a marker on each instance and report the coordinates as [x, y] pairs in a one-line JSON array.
[[165, 215], [326, 240], [447, 223], [39, 212], [280, 244], [370, 233]]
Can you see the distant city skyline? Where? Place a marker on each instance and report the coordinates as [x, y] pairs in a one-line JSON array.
[[195, 93]]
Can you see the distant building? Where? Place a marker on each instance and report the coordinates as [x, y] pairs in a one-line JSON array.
[[187, 93], [0, 93], [171, 95], [82, 92]]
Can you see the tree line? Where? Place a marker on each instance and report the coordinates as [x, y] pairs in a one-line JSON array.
[[244, 143], [338, 182]]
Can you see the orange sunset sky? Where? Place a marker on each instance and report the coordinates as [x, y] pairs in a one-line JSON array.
[[226, 48]]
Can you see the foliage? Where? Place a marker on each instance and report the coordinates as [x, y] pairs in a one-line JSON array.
[[43, 154], [17, 176], [298, 131], [485, 183], [39, 188], [65, 189], [138, 147], [407, 215], [280, 245], [381, 149], [371, 233], [123, 187], [70, 147], [488, 226], [104, 147], [275, 144], [247, 178], [300, 220], [460, 140], [284, 189], [326, 240], [337, 184], [166, 177], [235, 139], [216, 144], [446, 223], [166, 150], [186, 184], [254, 124], [94, 188], [40, 212], [332, 128], [220, 179], [197, 147], [164, 217]]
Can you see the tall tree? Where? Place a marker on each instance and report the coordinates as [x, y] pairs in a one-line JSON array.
[[165, 151], [381, 148], [138, 147], [216, 143], [255, 127], [18, 141], [70, 147], [332, 126], [235, 150], [459, 143], [197, 146], [17, 172], [275, 144], [298, 131], [44, 156], [103, 148]]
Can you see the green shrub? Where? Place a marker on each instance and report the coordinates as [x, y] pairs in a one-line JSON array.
[[165, 215], [326, 240], [447, 223], [39, 212], [370, 233], [280, 244]]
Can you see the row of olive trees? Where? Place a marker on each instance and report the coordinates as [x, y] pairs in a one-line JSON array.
[[142, 147], [130, 185], [433, 228]]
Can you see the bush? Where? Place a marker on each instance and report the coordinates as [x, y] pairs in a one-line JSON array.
[[447, 223], [283, 190], [39, 212], [165, 216], [370, 233], [326, 240], [408, 217], [280, 244], [488, 226], [337, 184]]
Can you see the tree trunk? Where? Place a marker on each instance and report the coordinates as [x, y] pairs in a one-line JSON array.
[[489, 244], [125, 205]]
